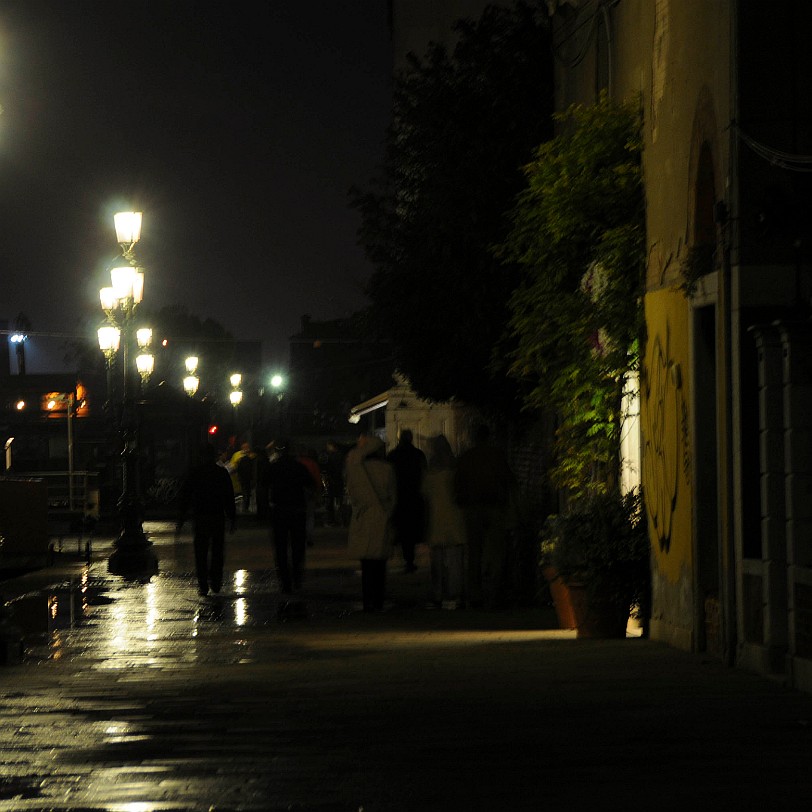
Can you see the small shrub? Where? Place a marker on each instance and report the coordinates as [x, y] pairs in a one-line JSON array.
[[603, 544]]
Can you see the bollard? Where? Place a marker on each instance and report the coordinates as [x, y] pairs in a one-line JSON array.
[[11, 637]]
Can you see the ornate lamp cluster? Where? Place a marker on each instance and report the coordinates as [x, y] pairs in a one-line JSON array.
[[235, 396], [120, 300], [191, 381], [133, 555]]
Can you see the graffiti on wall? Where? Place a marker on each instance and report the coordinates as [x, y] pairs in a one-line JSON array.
[[667, 440]]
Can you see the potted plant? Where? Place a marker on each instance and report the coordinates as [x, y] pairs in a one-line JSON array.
[[597, 557]]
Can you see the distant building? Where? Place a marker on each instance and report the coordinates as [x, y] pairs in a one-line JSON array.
[[53, 425]]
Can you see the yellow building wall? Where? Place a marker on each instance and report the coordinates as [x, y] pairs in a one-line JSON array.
[[673, 55], [665, 417]]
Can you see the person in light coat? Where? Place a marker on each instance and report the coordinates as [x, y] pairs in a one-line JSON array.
[[372, 490], [445, 531]]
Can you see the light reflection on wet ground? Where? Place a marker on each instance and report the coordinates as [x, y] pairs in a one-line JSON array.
[[144, 697], [144, 618]]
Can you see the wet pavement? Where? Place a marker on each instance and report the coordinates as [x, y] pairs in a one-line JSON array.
[[143, 697]]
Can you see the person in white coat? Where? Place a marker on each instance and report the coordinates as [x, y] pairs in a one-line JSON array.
[[445, 532], [372, 490]]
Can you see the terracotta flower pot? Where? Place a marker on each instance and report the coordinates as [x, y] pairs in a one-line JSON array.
[[592, 619]]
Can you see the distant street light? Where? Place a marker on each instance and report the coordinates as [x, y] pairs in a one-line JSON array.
[[191, 381], [145, 363], [190, 384], [133, 554], [278, 386], [18, 340]]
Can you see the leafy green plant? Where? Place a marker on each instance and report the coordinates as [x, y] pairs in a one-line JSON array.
[[578, 236], [603, 544]]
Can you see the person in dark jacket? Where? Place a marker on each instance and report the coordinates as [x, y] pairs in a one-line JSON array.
[[483, 485], [290, 485], [208, 492], [409, 518], [334, 482], [263, 466]]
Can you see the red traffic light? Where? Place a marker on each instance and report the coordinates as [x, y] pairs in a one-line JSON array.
[[212, 429]]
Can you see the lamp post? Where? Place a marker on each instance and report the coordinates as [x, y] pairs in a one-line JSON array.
[[18, 340], [133, 555], [191, 381], [278, 386], [235, 396]]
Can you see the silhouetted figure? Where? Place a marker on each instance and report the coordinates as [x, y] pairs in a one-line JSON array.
[[334, 483], [409, 519], [307, 456], [263, 465], [483, 485], [290, 483], [208, 491], [445, 526]]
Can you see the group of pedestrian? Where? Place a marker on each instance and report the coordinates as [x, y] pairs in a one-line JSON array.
[[285, 489], [460, 507]]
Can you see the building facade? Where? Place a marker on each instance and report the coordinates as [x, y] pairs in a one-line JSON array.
[[727, 379]]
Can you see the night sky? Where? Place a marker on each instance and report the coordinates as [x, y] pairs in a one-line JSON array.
[[237, 127]]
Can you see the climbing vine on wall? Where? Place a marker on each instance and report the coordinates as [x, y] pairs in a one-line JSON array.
[[578, 235]]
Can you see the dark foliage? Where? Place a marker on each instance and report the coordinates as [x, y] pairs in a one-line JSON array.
[[464, 123]]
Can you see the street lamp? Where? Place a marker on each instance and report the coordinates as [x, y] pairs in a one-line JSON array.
[[133, 554], [278, 386], [190, 384], [191, 381], [18, 340], [235, 396]]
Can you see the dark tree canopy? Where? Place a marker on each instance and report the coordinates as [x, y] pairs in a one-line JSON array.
[[464, 123]]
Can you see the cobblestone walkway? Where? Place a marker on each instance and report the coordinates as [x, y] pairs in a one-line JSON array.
[[141, 697]]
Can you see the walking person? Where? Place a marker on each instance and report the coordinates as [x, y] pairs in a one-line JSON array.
[[445, 526], [410, 513], [307, 456], [334, 479], [208, 491], [289, 485], [372, 490], [263, 465], [483, 485]]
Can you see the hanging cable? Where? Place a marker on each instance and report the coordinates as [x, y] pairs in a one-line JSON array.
[[784, 160], [576, 60]]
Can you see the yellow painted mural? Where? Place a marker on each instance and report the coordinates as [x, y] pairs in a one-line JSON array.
[[665, 417]]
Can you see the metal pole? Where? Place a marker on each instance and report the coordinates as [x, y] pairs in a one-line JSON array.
[[133, 556], [70, 450]]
